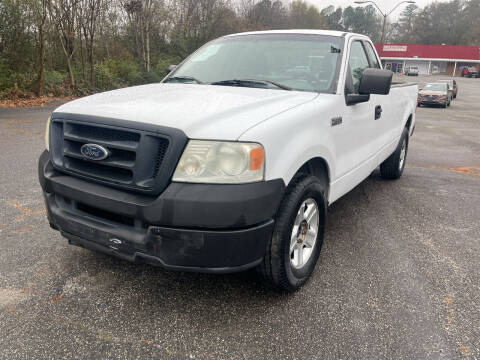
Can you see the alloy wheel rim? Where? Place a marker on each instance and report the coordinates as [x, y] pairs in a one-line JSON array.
[[304, 233], [403, 152]]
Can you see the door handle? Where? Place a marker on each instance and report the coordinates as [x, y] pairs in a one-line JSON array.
[[378, 112]]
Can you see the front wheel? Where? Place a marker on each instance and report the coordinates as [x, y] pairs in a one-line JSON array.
[[297, 238], [392, 168]]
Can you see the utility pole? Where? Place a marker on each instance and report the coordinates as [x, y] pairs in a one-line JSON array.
[[385, 15]]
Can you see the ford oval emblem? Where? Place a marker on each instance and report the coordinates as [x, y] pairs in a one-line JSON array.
[[94, 152]]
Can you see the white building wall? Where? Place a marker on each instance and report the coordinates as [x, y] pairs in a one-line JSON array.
[[422, 65]]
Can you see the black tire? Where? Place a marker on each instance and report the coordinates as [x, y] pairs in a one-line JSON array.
[[445, 104], [392, 168], [277, 269]]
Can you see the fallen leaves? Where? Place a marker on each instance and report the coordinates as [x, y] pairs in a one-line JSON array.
[[469, 170], [26, 213], [463, 350], [11, 310], [57, 298], [23, 230], [448, 299], [31, 102], [25, 210], [473, 170]]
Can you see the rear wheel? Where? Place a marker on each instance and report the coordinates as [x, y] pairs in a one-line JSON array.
[[392, 168], [297, 238]]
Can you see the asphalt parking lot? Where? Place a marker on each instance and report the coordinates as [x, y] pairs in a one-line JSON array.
[[398, 277]]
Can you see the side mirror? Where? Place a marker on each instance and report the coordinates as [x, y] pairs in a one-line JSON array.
[[170, 68], [375, 81], [353, 99]]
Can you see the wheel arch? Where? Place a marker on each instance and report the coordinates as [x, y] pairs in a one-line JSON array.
[[317, 167], [408, 124]]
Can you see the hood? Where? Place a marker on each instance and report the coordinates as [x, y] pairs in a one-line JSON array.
[[432, 92], [201, 111]]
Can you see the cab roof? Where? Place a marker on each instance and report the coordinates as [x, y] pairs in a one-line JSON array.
[[300, 31]]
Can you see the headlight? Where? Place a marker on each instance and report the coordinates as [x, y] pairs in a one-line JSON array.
[[47, 135], [220, 162]]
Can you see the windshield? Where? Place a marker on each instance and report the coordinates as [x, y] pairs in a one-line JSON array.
[[435, 87], [276, 61]]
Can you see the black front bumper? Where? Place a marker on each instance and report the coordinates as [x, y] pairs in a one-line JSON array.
[[190, 227]]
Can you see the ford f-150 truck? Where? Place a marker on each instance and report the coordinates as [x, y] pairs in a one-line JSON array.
[[231, 161]]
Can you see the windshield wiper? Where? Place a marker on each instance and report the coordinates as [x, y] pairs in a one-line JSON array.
[[183, 78], [247, 82]]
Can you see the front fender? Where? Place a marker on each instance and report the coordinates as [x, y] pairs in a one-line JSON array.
[[296, 136]]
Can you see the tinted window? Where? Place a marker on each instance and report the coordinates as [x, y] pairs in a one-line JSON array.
[[358, 62], [371, 54]]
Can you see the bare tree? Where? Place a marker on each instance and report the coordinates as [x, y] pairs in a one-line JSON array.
[[140, 14], [63, 14], [89, 12], [39, 9]]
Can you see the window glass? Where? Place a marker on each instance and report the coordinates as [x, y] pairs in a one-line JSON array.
[[435, 87], [358, 62], [301, 62], [371, 55]]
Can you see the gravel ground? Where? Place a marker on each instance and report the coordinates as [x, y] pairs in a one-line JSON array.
[[398, 277]]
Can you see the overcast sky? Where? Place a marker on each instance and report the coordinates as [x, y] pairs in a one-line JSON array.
[[385, 5]]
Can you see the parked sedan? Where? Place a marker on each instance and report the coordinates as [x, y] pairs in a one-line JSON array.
[[453, 85], [435, 94]]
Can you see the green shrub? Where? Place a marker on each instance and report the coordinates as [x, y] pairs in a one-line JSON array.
[[163, 62], [9, 78], [116, 73], [109, 74], [53, 77], [55, 83]]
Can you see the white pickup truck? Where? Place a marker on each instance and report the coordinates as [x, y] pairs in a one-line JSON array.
[[231, 161]]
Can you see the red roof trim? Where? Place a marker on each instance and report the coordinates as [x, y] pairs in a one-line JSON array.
[[429, 51]]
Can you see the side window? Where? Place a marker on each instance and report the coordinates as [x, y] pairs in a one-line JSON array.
[[357, 62], [371, 55]]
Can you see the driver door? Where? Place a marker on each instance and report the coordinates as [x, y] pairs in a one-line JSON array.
[[356, 139]]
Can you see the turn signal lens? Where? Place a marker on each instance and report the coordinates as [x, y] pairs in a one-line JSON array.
[[256, 158], [47, 135]]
